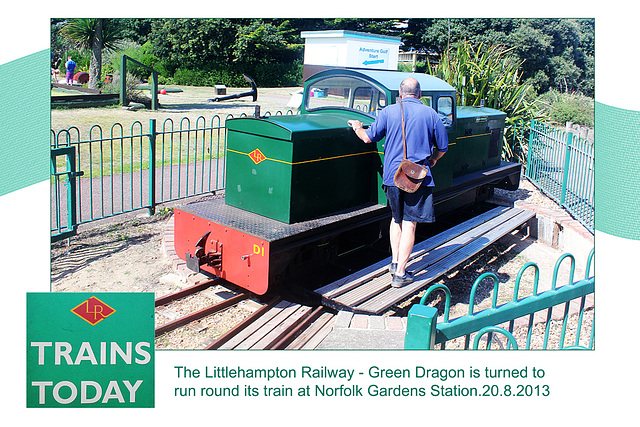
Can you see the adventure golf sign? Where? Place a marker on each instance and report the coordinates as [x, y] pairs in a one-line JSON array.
[[90, 350], [353, 49]]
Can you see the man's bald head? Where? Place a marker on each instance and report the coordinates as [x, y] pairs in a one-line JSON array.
[[410, 87]]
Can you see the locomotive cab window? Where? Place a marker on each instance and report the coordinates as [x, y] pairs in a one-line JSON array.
[[445, 110], [363, 99], [427, 100], [345, 92]]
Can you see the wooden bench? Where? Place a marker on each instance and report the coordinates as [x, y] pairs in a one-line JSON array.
[[369, 290]]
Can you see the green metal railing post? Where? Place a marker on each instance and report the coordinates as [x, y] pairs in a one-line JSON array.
[[421, 328], [152, 166], [154, 90], [565, 177], [123, 80], [71, 183], [529, 149]]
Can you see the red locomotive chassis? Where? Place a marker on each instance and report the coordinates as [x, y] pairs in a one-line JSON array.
[[255, 252]]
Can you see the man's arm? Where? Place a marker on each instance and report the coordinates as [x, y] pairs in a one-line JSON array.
[[356, 125], [441, 142], [437, 155]]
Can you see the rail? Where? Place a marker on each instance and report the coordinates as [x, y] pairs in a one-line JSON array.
[[188, 160], [117, 171], [425, 332], [561, 165]]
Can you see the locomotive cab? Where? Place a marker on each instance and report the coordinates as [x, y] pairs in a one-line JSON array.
[[366, 92], [475, 134], [369, 91]]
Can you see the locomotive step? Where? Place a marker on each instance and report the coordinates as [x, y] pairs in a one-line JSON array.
[[369, 290]]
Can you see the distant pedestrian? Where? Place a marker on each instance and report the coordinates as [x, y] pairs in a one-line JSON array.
[[70, 66], [55, 64]]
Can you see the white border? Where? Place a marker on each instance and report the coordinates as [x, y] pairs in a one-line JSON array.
[[590, 386]]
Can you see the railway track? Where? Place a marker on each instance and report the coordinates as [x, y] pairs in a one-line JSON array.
[[277, 324], [282, 324]]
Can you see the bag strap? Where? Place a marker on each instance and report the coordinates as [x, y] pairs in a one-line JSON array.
[[404, 142]]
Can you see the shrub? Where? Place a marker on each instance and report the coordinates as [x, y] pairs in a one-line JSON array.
[[112, 60], [279, 74], [568, 107], [265, 75], [226, 77], [491, 74], [190, 77], [162, 80]]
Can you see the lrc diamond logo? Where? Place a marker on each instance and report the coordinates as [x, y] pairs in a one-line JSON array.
[[93, 310], [257, 156]]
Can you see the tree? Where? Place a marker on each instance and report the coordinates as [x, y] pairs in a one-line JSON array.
[[216, 43], [542, 45], [136, 29], [94, 34], [193, 43], [57, 43]]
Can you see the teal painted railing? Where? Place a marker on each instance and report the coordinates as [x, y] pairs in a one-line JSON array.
[[561, 165], [121, 171], [425, 332]]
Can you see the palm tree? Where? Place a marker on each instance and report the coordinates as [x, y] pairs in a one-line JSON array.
[[94, 34]]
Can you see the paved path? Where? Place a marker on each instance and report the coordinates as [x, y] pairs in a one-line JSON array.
[[113, 194]]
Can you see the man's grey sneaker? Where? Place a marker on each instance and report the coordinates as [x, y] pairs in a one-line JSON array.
[[400, 281], [393, 267]]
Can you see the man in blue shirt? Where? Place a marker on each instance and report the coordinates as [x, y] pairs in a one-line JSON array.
[[427, 141]]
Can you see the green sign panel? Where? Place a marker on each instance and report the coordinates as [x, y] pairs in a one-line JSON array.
[[90, 350]]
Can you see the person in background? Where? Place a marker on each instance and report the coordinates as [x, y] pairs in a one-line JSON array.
[[70, 66], [55, 63]]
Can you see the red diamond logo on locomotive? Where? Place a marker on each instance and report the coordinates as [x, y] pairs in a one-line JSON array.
[[93, 310], [257, 156]]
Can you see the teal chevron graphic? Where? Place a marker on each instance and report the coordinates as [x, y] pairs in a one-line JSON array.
[[617, 166], [25, 98]]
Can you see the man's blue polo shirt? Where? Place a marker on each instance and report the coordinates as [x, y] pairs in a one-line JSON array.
[[423, 130]]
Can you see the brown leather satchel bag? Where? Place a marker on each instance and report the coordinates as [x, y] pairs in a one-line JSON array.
[[409, 175]]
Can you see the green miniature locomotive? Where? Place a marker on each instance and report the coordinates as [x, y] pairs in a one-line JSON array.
[[301, 189]]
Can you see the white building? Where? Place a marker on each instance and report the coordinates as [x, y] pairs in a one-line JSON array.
[[349, 49]]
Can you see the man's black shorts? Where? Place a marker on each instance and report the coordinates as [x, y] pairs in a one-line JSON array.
[[413, 207]]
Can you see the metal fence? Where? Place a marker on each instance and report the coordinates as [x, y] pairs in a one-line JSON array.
[[561, 165], [110, 172], [543, 314], [116, 171]]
